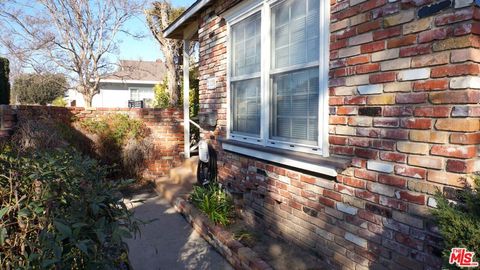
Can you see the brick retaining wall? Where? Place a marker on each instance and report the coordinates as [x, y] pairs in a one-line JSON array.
[[404, 107], [165, 126]]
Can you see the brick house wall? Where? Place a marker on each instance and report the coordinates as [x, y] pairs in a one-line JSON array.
[[164, 124], [404, 108]]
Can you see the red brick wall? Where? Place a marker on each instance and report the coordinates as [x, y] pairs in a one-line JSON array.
[[404, 106], [164, 124]]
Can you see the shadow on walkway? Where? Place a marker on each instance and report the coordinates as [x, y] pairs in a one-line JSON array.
[[169, 242]]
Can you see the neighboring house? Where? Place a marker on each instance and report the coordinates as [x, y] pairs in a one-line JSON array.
[[133, 81], [339, 120]]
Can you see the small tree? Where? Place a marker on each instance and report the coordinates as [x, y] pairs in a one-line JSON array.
[[159, 18], [4, 81], [39, 89]]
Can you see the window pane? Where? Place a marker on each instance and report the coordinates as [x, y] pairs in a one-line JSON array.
[[246, 46], [246, 106], [295, 106], [295, 40], [134, 95]]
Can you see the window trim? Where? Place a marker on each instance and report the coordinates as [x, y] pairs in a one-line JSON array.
[[243, 11]]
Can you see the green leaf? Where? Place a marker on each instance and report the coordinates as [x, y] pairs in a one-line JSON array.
[[3, 211], [39, 210], [79, 225], [3, 235], [24, 212], [100, 235], [64, 230], [83, 247]]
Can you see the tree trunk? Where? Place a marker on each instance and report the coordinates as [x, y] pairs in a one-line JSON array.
[[172, 82], [87, 97]]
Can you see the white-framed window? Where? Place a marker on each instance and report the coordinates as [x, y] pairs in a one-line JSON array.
[[278, 74], [141, 93]]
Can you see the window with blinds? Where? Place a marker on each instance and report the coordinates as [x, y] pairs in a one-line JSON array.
[[245, 76], [295, 106], [294, 72], [278, 73]]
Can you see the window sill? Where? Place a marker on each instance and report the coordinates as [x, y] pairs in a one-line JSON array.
[[322, 165]]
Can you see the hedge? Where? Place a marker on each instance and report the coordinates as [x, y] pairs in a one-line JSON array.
[[4, 82]]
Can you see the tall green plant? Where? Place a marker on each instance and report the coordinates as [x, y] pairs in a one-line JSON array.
[[58, 211], [459, 222], [4, 81], [214, 202], [162, 98], [194, 93]]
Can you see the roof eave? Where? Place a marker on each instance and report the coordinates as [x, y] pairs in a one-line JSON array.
[[176, 29]]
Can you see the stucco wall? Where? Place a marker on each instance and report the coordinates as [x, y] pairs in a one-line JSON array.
[[112, 95]]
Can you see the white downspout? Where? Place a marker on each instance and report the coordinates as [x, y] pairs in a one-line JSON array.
[[186, 95]]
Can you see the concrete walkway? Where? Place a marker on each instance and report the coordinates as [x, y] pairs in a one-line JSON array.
[[169, 242]]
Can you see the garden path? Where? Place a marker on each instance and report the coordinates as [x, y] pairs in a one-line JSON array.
[[169, 242]]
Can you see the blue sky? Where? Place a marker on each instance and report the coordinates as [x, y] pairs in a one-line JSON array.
[[146, 48]]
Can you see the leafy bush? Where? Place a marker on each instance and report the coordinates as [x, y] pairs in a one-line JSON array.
[[162, 98], [122, 141], [119, 127], [194, 93], [215, 202], [459, 222], [4, 81], [58, 211], [43, 134], [39, 88], [59, 102]]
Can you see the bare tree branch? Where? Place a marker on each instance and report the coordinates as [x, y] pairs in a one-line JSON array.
[[76, 37]]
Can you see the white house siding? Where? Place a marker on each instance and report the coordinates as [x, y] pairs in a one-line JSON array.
[[112, 95]]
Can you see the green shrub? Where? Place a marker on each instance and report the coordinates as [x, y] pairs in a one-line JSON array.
[[43, 134], [39, 88], [214, 202], [4, 81], [194, 93], [119, 127], [58, 211], [162, 98], [459, 222], [59, 102], [120, 141]]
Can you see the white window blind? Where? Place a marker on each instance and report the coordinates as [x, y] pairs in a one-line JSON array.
[[278, 73], [245, 76], [295, 40], [246, 108], [294, 73]]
